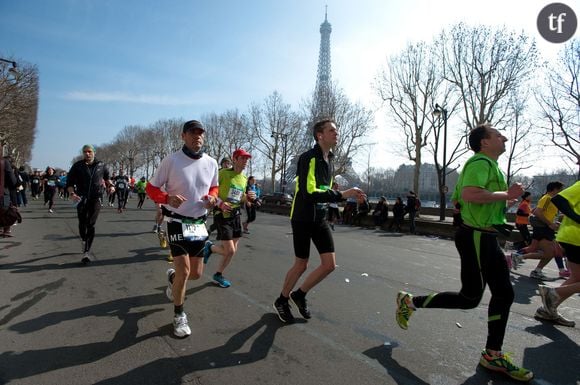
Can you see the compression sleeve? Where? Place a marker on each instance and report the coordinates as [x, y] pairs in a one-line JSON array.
[[213, 191], [564, 206], [156, 194]]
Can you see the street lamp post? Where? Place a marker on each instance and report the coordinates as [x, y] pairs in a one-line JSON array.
[[442, 112], [131, 166], [284, 144]]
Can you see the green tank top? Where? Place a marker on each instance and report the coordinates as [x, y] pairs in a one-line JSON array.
[[483, 172]]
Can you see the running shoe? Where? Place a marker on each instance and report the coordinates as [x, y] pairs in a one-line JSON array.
[[404, 309], [549, 298], [504, 364], [301, 304], [50, 211], [544, 315], [221, 281], [169, 290], [207, 252], [180, 327], [86, 258], [564, 274], [283, 310], [538, 274]]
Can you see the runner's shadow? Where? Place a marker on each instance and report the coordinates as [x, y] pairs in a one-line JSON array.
[[18, 365], [556, 359], [384, 355], [227, 355]]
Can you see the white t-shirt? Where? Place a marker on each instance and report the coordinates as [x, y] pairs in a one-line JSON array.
[[191, 178]]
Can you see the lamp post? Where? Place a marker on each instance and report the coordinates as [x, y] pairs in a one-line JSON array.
[[12, 70], [441, 112], [131, 166], [284, 143]]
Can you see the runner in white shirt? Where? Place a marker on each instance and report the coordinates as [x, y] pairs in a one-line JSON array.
[[190, 182]]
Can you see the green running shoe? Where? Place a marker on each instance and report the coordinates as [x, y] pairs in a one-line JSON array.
[[504, 364], [404, 309]]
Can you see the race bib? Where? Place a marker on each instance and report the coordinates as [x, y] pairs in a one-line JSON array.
[[120, 186], [194, 231], [51, 183], [235, 195]]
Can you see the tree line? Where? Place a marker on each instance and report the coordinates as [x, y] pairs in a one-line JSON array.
[[476, 74]]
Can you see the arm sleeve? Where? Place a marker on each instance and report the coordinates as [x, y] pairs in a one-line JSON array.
[[156, 194], [213, 191], [564, 206]]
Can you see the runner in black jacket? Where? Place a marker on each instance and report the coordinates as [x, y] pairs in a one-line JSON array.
[[84, 184], [308, 217]]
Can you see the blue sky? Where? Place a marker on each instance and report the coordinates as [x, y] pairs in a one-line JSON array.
[[106, 64]]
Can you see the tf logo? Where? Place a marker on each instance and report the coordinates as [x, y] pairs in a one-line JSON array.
[[557, 22]]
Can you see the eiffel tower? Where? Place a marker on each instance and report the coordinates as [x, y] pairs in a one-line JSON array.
[[323, 78]]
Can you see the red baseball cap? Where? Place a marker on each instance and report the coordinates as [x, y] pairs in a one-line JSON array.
[[240, 152]]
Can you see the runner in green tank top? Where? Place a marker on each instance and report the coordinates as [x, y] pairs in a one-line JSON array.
[[483, 197]]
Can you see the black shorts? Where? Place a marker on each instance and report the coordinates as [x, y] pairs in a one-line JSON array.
[[180, 246], [320, 234], [572, 252], [228, 228], [543, 233]]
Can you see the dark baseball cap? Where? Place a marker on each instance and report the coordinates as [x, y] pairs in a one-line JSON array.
[[192, 125]]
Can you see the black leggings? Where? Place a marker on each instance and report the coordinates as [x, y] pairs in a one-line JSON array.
[[251, 211], [88, 212], [482, 262]]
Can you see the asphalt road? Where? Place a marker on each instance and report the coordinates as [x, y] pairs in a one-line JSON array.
[[110, 322]]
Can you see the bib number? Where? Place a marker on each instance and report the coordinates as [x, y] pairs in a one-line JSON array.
[[235, 195], [194, 231]]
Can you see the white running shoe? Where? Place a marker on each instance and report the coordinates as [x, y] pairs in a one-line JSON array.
[[180, 327]]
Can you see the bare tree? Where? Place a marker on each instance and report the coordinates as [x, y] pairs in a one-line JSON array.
[[407, 84], [278, 132], [485, 65], [560, 103], [518, 134], [18, 110], [226, 132], [354, 122]]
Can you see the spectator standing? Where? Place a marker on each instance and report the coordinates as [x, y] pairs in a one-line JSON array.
[[398, 215], [381, 212], [411, 209], [7, 189]]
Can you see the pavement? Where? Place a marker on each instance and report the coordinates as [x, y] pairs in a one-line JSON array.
[[110, 322]]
